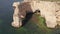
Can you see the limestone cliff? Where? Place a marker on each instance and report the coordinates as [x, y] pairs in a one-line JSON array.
[[48, 11]]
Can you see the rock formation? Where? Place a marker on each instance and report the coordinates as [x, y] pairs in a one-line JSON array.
[[16, 20], [49, 10]]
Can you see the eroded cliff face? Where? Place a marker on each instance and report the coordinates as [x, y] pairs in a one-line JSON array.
[[16, 20], [20, 10], [49, 10]]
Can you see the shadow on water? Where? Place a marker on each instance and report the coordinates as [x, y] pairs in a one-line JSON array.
[[27, 17]]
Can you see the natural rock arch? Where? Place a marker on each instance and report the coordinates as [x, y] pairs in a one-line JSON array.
[[48, 11]]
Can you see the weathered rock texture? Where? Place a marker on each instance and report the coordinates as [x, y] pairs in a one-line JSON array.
[[16, 20], [49, 10]]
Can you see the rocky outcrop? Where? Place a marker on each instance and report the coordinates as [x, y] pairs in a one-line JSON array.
[[48, 11], [16, 20]]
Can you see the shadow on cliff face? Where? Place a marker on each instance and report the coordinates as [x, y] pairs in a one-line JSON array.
[[25, 10]]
